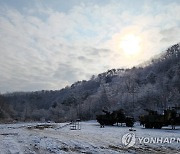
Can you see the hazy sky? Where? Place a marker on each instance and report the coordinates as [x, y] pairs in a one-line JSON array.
[[48, 44]]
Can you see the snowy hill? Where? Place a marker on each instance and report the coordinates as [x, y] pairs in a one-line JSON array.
[[155, 85]]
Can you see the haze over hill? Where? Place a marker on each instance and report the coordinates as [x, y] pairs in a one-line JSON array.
[[155, 86]]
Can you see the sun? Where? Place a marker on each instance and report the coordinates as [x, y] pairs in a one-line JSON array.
[[130, 44]]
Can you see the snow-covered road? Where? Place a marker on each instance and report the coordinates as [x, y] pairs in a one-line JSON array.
[[17, 138]]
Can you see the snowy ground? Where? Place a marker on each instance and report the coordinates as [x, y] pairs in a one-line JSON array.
[[22, 139]]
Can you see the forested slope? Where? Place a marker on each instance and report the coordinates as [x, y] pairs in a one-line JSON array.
[[154, 85]]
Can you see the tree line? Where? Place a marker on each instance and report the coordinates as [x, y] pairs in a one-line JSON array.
[[154, 85]]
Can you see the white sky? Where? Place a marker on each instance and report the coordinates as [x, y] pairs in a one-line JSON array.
[[47, 44]]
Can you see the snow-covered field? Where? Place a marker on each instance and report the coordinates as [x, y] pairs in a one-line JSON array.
[[22, 139]]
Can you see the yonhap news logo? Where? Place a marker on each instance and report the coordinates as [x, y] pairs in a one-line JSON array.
[[129, 140]]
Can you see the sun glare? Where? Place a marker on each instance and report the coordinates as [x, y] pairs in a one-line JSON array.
[[130, 44]]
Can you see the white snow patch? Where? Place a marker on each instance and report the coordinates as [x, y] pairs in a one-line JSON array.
[[18, 139]]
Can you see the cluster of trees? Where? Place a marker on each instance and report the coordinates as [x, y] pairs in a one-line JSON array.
[[155, 86]]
